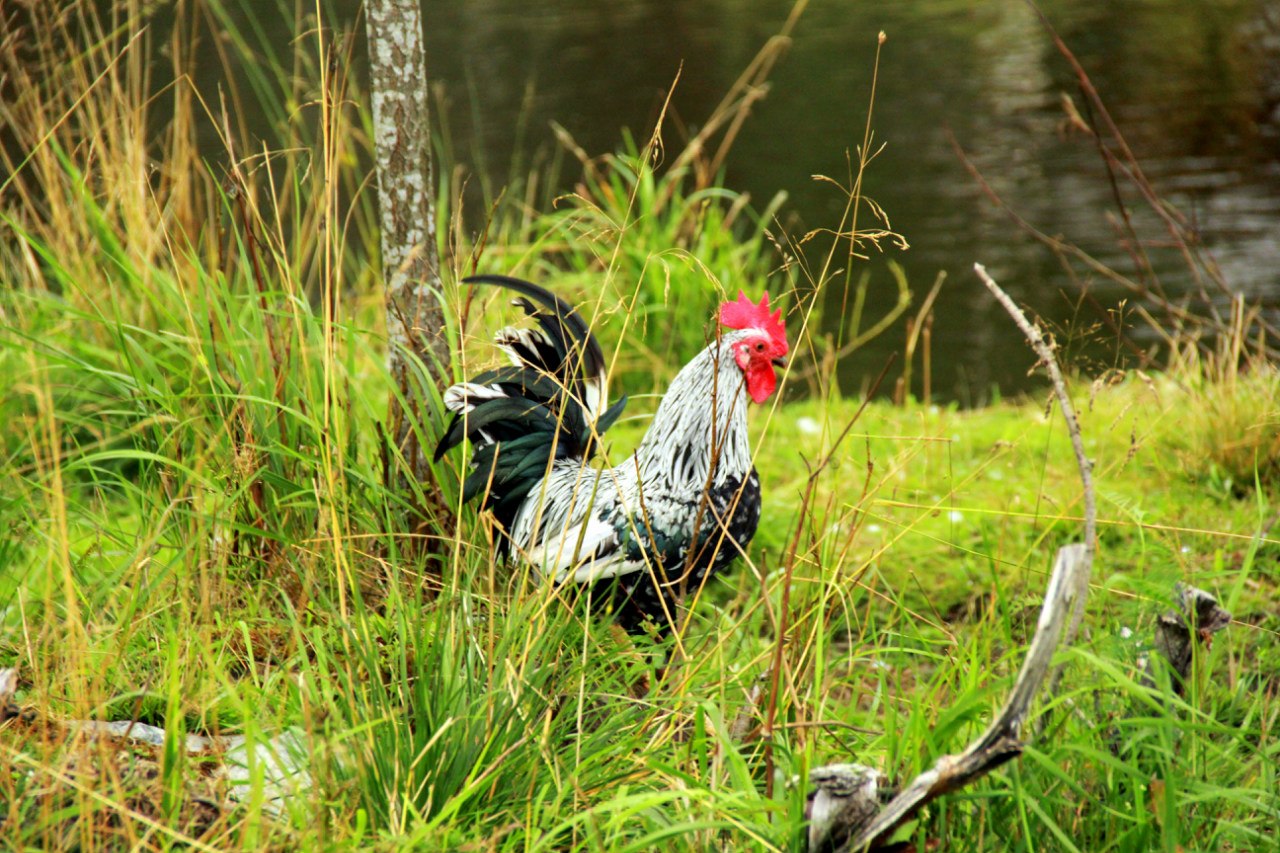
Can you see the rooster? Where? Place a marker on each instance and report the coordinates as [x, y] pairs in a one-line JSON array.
[[641, 534]]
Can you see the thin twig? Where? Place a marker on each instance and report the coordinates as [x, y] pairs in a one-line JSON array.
[[1045, 353]]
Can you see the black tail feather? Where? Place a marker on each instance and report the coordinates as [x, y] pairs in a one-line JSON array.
[[523, 416], [575, 356]]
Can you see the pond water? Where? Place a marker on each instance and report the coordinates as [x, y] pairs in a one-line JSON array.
[[1193, 84]]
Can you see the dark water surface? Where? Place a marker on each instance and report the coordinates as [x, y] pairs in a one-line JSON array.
[[1193, 84]]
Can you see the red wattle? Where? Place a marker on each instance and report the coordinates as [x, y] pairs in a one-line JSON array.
[[761, 381]]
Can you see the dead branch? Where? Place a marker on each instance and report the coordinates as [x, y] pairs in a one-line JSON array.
[[8, 686], [845, 804], [998, 744], [1198, 618], [845, 797], [275, 768], [1045, 352]]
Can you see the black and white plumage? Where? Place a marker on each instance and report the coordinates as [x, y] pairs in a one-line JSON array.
[[651, 529]]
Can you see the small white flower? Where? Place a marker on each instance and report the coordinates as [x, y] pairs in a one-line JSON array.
[[808, 425], [1186, 549], [956, 515], [1125, 632], [873, 528]]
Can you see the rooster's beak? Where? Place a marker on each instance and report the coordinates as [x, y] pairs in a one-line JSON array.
[[780, 362]]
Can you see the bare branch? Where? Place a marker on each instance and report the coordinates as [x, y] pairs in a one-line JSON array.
[[847, 795], [1045, 353], [1198, 617], [1000, 742]]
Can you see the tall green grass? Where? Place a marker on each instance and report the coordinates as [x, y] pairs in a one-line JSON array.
[[196, 530]]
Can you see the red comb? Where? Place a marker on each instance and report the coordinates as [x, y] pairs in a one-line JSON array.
[[745, 314]]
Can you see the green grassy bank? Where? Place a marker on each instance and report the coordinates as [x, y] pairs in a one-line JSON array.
[[196, 530]]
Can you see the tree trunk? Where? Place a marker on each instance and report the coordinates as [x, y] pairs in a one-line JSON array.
[[410, 262]]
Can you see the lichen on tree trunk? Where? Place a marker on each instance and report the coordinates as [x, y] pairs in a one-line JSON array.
[[410, 262]]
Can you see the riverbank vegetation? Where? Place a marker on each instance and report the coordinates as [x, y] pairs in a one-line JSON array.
[[196, 531]]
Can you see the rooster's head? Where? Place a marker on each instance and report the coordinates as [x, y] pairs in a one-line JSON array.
[[761, 348]]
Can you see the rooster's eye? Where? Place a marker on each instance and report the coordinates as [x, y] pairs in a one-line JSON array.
[[759, 347]]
